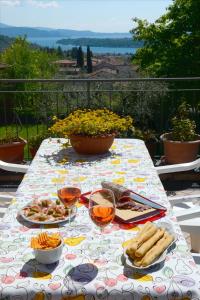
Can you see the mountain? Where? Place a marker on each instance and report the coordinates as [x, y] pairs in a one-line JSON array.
[[30, 32], [4, 25]]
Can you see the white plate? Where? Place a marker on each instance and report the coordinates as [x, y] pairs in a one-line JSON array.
[[161, 258], [73, 213]]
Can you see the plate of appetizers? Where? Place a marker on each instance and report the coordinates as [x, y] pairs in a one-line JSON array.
[[150, 246], [45, 211]]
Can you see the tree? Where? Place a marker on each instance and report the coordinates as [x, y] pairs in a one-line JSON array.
[[80, 58], [26, 62], [59, 52], [74, 52], [89, 60], [172, 43]]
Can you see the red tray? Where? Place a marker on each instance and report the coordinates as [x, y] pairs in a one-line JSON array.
[[151, 216]]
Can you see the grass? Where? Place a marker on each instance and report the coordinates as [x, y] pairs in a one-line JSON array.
[[26, 132]]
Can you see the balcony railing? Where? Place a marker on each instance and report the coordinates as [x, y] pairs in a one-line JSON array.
[[27, 105]]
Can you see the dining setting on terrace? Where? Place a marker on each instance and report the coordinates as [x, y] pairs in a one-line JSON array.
[[94, 222]]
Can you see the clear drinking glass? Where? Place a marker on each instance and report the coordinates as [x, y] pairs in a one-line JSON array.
[[69, 194], [102, 207]]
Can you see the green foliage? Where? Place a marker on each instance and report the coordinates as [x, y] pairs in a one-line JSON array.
[[89, 60], [73, 52], [5, 42], [147, 135], [35, 141], [183, 128], [59, 52], [80, 58], [10, 136], [84, 122], [171, 44], [26, 61], [102, 42]]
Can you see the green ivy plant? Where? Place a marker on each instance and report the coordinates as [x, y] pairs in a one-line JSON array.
[[9, 137], [35, 141], [147, 135], [183, 128]]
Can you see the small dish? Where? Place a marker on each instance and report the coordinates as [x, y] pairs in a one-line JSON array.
[[46, 222], [49, 256], [162, 257]]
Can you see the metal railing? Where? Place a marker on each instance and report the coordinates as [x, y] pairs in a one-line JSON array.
[[27, 105]]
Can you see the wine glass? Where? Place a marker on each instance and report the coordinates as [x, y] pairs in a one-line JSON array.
[[69, 195], [102, 207]]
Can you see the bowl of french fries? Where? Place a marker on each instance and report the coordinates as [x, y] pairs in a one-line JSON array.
[[150, 246], [47, 247]]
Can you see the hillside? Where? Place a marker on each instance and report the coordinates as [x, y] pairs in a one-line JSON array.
[[95, 42], [13, 31]]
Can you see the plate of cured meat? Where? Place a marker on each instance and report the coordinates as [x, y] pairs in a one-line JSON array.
[[46, 211]]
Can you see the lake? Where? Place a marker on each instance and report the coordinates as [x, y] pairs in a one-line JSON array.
[[51, 42]]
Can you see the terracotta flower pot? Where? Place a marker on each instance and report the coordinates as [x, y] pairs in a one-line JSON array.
[[13, 152], [177, 152], [92, 145]]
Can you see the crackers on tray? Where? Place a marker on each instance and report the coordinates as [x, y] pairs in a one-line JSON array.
[[45, 241], [148, 245]]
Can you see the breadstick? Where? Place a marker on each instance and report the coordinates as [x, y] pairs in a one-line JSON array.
[[144, 228], [157, 249], [142, 250], [144, 235]]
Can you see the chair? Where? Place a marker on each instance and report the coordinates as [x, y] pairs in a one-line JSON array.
[[6, 199], [13, 167], [186, 212]]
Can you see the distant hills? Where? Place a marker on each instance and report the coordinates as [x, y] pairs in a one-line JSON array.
[[39, 32], [103, 42]]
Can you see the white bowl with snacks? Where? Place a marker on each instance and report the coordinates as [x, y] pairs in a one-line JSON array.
[[150, 246], [48, 254]]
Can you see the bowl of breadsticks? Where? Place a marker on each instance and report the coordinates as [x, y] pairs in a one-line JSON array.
[[150, 246]]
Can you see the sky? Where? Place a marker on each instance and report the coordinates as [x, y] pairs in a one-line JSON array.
[[95, 15]]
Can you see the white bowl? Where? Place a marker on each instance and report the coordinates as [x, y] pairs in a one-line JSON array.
[[49, 256]]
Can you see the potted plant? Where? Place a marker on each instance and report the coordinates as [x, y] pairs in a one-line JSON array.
[[149, 137], [12, 148], [181, 145], [35, 141], [91, 131]]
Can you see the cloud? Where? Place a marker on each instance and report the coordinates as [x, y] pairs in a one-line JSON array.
[[10, 2], [43, 4]]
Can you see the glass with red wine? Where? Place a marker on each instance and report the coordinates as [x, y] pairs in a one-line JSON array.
[[102, 207], [69, 195]]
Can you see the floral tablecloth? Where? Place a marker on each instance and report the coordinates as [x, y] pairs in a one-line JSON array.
[[86, 270]]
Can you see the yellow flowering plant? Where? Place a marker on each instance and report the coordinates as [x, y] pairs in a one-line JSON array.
[[87, 122]]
